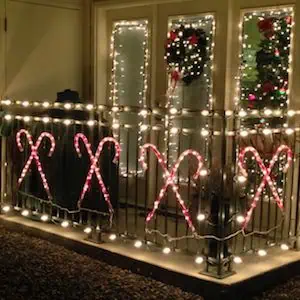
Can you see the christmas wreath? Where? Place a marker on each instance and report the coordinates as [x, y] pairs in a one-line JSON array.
[[186, 53]]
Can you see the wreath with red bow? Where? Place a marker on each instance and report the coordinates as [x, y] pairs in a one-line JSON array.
[[186, 53]]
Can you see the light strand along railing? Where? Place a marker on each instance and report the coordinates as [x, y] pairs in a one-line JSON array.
[[135, 195]]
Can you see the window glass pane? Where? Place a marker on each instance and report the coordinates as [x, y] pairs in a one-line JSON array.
[[265, 61], [194, 87], [129, 46], [189, 54]]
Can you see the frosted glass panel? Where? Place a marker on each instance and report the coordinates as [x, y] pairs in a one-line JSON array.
[[129, 87], [130, 50]]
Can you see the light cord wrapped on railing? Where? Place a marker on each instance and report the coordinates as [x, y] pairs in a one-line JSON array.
[[34, 155], [170, 179], [94, 167], [266, 178]]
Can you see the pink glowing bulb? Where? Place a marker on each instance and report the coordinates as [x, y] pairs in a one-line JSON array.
[[251, 97]]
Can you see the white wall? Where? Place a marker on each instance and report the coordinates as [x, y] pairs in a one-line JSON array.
[[43, 49]]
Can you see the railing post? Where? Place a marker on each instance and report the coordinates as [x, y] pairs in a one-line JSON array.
[[218, 257], [3, 169]]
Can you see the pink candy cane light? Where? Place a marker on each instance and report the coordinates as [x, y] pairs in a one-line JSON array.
[[94, 168], [170, 179], [266, 178], [34, 155]]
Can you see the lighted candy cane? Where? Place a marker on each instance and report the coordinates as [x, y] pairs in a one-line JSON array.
[[94, 166], [34, 155], [170, 179], [266, 178]]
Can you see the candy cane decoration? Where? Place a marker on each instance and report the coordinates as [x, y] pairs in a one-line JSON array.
[[170, 179], [94, 167], [266, 178], [34, 155]]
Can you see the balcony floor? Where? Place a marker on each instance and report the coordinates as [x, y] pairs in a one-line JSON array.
[[254, 274]]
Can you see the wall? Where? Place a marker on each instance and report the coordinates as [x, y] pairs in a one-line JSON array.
[[42, 48]]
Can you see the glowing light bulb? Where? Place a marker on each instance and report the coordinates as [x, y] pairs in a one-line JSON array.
[[26, 119], [89, 106], [6, 208], [244, 133], [8, 117], [87, 230], [267, 131], [67, 122], [46, 120], [115, 109], [138, 244], [205, 113], [68, 106], [291, 113], [166, 250], [173, 111], [201, 217], [25, 103], [199, 260], [204, 132], [262, 252], [144, 127], [112, 237], [174, 130], [6, 102], [242, 113], [143, 112], [240, 219], [25, 213], [284, 247], [116, 126], [289, 131], [203, 172], [242, 179], [268, 112], [237, 260], [91, 123], [228, 113], [44, 218], [46, 104], [65, 224]]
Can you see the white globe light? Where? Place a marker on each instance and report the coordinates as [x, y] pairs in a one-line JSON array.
[[138, 244], [199, 260]]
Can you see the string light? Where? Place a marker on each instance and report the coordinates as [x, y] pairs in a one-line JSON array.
[[237, 260], [284, 247], [25, 213], [240, 219], [112, 237], [201, 217], [87, 230], [242, 179], [166, 250], [44, 218], [65, 224], [6, 208], [199, 260], [262, 252], [138, 244]]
